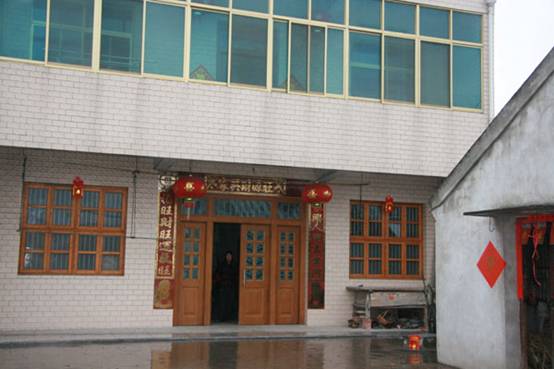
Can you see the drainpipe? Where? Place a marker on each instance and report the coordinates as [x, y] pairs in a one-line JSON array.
[[490, 4]]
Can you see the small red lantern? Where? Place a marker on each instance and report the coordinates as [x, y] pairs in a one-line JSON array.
[[189, 188], [317, 194], [389, 204], [414, 343], [77, 189]]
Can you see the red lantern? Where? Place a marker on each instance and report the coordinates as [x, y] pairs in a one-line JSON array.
[[389, 204], [414, 343], [317, 194], [77, 189], [189, 188]]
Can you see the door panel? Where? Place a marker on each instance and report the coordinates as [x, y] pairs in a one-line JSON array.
[[287, 276], [189, 294], [254, 274]]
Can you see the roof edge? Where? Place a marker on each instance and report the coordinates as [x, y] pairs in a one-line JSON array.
[[495, 129]]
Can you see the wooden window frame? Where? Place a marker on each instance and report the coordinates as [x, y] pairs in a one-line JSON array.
[[385, 240], [74, 230]]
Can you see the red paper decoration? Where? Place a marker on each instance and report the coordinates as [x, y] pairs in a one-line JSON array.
[[491, 264], [389, 204], [317, 193], [77, 189]]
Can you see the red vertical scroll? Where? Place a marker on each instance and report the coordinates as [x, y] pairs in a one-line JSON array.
[[316, 258], [164, 282]]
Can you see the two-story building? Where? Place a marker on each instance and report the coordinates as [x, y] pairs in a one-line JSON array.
[[257, 98]]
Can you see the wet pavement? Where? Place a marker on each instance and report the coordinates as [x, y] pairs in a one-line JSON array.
[[343, 353]]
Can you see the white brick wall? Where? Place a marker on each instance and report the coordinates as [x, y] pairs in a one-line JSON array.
[[57, 302], [67, 109]]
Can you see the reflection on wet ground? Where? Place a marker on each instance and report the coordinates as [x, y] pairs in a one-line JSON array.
[[345, 353]]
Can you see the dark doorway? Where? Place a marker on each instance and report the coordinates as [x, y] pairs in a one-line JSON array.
[[225, 281], [538, 271]]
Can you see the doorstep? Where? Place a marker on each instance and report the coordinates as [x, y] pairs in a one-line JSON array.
[[218, 332]]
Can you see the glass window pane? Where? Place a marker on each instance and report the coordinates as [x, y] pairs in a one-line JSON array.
[[90, 199], [365, 13], [412, 252], [253, 5], [164, 39], [467, 77], [365, 65], [110, 262], [71, 31], [112, 219], [86, 262], [412, 230], [113, 200], [209, 45], [335, 61], [395, 267], [121, 35], [317, 59], [36, 216], [287, 210], [88, 218], [23, 29], [435, 74], [33, 261], [38, 196], [412, 268], [299, 58], [60, 242], [328, 10], [395, 251], [466, 27], [243, 208], [394, 230], [357, 250], [249, 51], [434, 22], [412, 214], [224, 3], [87, 242], [62, 198], [34, 241], [399, 69], [399, 17], [280, 54], [375, 267], [374, 250], [59, 261], [356, 267], [291, 8]]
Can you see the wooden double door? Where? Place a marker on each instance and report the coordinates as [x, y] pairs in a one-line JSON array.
[[269, 274]]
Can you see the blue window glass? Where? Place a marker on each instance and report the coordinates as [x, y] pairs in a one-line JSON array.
[[335, 61], [400, 17], [435, 74], [280, 54], [164, 39], [121, 35], [70, 39], [434, 22], [467, 77], [365, 65], [399, 69], [249, 51], [328, 10], [22, 29], [288, 210], [209, 46], [317, 59], [365, 13], [291, 8], [253, 5], [243, 208], [200, 208], [224, 3], [299, 58], [466, 27]]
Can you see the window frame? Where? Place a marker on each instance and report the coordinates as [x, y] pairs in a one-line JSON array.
[[385, 240], [271, 17], [74, 230]]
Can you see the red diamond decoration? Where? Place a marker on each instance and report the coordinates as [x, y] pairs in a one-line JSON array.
[[491, 264]]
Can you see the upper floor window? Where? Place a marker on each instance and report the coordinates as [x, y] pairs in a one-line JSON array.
[[375, 49], [386, 245], [61, 235]]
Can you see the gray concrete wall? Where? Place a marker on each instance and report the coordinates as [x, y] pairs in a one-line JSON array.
[[478, 327]]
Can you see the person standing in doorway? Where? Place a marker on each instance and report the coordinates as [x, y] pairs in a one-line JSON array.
[[226, 275]]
